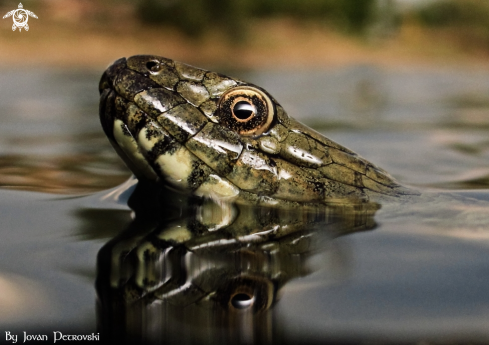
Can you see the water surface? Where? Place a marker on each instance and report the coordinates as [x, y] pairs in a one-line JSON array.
[[414, 273]]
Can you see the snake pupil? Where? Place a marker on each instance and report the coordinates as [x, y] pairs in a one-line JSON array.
[[243, 110]]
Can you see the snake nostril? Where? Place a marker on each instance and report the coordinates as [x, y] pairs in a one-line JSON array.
[[153, 66]]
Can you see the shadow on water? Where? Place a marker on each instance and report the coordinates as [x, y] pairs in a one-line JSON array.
[[195, 271]]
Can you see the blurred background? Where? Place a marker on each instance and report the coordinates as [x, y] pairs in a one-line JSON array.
[[249, 33]]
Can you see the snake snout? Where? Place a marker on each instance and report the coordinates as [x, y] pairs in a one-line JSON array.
[[107, 109], [107, 80], [104, 83]]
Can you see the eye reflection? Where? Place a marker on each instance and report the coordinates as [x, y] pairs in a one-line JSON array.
[[243, 110], [242, 301]]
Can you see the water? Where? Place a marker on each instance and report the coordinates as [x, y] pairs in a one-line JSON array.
[[410, 273]]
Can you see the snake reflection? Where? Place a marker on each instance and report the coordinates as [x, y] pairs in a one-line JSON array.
[[208, 263]]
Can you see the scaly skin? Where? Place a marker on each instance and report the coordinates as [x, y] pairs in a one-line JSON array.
[[214, 136]]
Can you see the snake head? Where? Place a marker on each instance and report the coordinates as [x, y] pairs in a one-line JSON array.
[[215, 136]]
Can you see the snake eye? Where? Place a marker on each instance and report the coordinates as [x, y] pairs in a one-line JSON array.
[[246, 110]]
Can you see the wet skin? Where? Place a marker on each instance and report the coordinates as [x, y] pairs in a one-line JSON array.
[[214, 136]]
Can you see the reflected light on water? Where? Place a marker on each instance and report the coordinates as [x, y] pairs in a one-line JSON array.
[[20, 297], [73, 174]]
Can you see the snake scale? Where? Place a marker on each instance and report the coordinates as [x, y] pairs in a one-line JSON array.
[[211, 135]]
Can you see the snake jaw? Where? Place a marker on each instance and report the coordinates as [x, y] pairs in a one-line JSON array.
[[194, 130]]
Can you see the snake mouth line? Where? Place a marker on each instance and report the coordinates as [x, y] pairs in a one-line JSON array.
[[220, 137]]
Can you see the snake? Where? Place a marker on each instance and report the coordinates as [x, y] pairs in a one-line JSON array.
[[214, 136]]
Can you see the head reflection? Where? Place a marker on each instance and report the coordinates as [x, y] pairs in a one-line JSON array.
[[190, 270]]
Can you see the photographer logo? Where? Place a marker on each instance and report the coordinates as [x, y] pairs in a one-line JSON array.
[[20, 17]]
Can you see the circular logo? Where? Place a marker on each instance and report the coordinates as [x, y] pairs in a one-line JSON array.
[[20, 18]]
